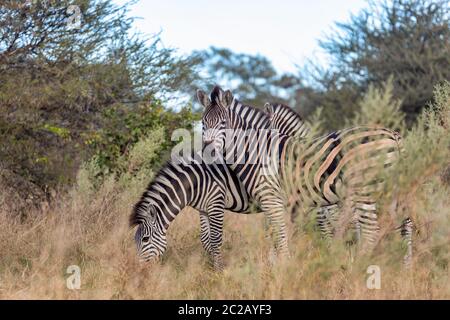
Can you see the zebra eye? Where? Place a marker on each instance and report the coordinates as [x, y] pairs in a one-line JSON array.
[[146, 239]]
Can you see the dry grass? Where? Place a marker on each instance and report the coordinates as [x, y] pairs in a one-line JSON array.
[[89, 228], [92, 232]]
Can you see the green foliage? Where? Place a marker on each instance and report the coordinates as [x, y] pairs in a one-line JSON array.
[[124, 128], [132, 170], [60, 132], [408, 40], [379, 107], [64, 89], [426, 150]]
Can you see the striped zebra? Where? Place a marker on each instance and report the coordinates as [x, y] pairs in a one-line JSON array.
[[334, 170], [287, 121], [209, 188], [284, 119], [281, 117], [232, 136], [342, 170]]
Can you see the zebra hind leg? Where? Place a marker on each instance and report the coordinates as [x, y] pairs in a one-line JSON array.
[[273, 208], [406, 231], [367, 225]]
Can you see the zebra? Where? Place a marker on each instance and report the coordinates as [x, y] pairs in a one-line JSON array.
[[209, 188], [284, 119], [281, 118], [187, 181], [250, 167], [338, 167], [324, 173]]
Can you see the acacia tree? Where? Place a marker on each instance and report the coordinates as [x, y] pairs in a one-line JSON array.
[[406, 39], [252, 77], [63, 64]]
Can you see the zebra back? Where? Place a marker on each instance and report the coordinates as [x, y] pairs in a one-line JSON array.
[[286, 120], [317, 171], [274, 116]]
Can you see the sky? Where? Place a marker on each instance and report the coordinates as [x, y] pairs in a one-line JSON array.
[[285, 31]]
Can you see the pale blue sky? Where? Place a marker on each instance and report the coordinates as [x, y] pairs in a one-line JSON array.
[[286, 31]]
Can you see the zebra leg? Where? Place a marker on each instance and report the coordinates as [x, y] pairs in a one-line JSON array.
[[205, 232], [367, 225], [406, 231], [273, 208], [216, 228], [325, 219]]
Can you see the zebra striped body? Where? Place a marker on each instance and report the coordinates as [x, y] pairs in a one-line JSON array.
[[348, 160], [209, 188], [342, 168], [253, 167]]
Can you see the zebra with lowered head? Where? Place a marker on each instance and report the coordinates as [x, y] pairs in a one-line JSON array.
[[209, 188]]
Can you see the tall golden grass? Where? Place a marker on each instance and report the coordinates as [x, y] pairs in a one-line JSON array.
[[89, 228]]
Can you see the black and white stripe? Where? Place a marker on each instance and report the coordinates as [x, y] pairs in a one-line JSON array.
[[284, 119], [209, 188], [337, 167], [343, 172], [234, 137]]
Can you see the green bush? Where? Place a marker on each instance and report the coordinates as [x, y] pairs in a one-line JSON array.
[[61, 87], [124, 127]]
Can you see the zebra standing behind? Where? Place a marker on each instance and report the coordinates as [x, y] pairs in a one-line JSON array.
[[332, 170], [242, 151]]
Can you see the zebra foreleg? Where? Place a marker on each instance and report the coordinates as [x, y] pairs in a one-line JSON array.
[[216, 227], [205, 232]]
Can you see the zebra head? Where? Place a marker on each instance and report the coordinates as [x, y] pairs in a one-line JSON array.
[[150, 237], [286, 120], [215, 118], [269, 110]]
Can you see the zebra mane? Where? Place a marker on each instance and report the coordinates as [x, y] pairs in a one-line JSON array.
[[216, 95], [221, 98], [242, 109], [276, 107], [141, 209], [139, 213]]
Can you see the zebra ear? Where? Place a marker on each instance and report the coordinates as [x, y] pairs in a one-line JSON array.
[[268, 110], [203, 98], [217, 95], [227, 98]]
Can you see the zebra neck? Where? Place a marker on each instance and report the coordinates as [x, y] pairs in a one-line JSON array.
[[253, 117], [172, 190]]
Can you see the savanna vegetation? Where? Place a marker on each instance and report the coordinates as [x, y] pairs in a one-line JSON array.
[[87, 112]]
